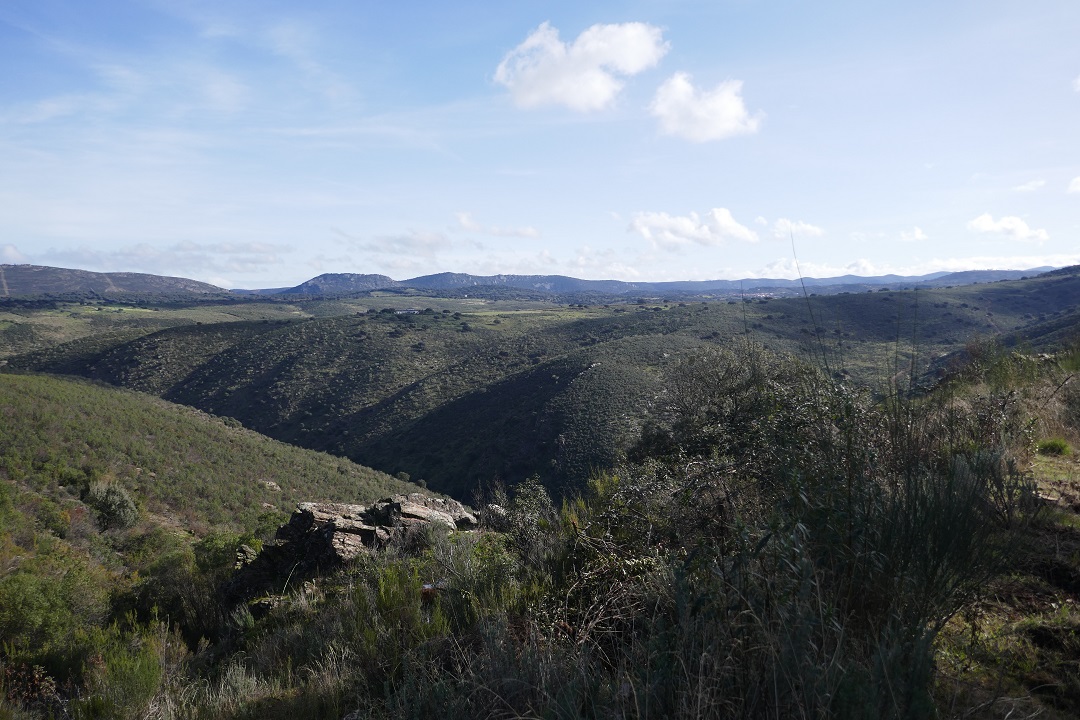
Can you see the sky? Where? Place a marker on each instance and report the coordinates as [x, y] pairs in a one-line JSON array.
[[258, 143]]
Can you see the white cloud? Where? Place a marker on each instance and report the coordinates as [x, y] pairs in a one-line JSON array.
[[784, 228], [184, 259], [1074, 186], [602, 265], [914, 235], [1030, 186], [1008, 225], [1076, 84], [674, 231], [425, 244], [465, 222], [788, 269], [10, 255], [584, 75], [701, 116]]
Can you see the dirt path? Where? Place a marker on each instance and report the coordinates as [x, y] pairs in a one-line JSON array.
[[3, 283]]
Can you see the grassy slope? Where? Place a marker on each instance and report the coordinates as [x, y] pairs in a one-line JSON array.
[[179, 462], [1013, 652]]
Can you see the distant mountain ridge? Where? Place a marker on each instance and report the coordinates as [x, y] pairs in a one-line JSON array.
[[20, 280], [345, 283], [28, 280]]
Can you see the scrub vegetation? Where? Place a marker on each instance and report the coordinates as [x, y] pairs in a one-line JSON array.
[[676, 520]]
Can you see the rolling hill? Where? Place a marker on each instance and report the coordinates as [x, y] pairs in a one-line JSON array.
[[460, 399]]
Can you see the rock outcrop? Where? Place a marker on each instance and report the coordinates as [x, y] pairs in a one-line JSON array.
[[323, 536]]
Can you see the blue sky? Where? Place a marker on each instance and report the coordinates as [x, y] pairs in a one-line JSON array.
[[257, 144]]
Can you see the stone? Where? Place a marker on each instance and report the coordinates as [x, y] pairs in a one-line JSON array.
[[322, 536]]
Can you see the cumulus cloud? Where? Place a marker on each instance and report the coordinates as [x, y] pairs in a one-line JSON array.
[[1074, 186], [702, 115], [784, 228], [1030, 186], [1010, 226], [465, 222], [674, 231], [583, 75], [914, 235]]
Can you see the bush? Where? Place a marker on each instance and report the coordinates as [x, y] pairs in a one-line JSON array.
[[1053, 446], [114, 506]]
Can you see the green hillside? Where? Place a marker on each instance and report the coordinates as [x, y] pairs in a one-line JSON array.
[[58, 436]]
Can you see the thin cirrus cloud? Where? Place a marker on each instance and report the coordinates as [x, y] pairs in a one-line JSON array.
[[671, 232], [294, 42], [1030, 186], [465, 222], [584, 75], [702, 115], [1009, 226], [1074, 186]]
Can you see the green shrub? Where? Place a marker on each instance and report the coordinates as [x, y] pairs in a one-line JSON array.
[[1053, 446], [33, 610], [114, 506]]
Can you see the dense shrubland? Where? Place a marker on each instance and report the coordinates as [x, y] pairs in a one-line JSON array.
[[776, 544]]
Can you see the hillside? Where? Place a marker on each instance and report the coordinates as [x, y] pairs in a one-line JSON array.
[[179, 463], [695, 574], [338, 284], [460, 399]]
